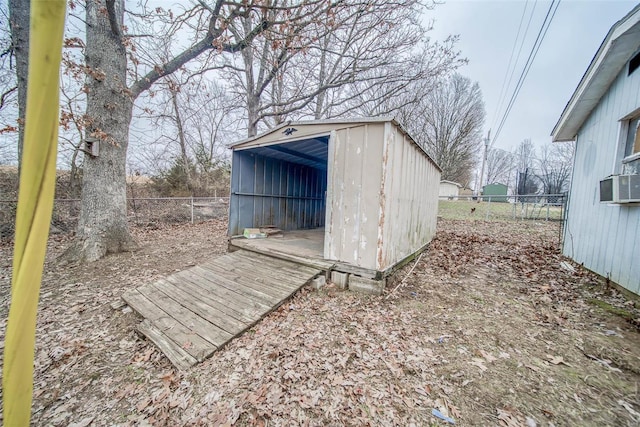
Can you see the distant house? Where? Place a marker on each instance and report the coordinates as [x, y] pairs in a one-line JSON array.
[[449, 190], [496, 191], [602, 116]]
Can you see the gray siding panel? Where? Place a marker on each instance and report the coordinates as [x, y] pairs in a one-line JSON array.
[[356, 173], [411, 182], [604, 237]]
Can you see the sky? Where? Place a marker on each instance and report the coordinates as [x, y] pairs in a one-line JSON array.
[[488, 30]]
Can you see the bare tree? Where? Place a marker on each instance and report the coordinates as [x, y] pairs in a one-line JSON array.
[[365, 56], [554, 164], [526, 177], [448, 123], [112, 87], [499, 166], [19, 22]]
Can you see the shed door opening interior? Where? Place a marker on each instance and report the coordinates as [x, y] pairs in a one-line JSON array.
[[282, 185]]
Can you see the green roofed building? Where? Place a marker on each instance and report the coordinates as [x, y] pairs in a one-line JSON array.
[[495, 191]]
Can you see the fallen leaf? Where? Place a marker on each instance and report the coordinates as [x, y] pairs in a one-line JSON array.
[[556, 360], [630, 409], [488, 356], [479, 364], [143, 404]]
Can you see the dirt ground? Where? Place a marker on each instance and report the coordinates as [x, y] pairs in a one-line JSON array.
[[487, 327]]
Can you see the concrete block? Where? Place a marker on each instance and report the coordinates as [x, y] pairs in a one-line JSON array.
[[366, 286], [341, 280], [318, 282]]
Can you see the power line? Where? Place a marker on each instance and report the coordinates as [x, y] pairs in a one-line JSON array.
[[532, 56], [506, 85]]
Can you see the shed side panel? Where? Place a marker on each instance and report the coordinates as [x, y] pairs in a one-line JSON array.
[[412, 185], [604, 237], [356, 172]]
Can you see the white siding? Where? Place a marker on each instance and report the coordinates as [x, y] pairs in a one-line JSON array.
[[448, 190], [409, 207], [354, 199], [605, 238]]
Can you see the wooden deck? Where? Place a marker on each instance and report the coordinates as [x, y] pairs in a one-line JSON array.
[[191, 314], [304, 247]]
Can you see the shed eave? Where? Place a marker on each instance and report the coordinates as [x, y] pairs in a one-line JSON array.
[[314, 122], [620, 43]]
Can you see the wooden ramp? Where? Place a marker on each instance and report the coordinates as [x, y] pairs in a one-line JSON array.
[[191, 314]]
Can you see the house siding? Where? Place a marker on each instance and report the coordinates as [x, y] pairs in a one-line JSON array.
[[604, 238]]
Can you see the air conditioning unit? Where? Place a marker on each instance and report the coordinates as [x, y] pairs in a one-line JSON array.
[[620, 189]]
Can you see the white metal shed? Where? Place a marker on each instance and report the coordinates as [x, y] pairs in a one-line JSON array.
[[365, 184]]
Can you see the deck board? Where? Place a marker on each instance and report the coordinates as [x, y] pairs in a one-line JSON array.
[[190, 314]]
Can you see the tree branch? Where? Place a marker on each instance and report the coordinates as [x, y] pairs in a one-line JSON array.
[[4, 96], [191, 53], [113, 21]]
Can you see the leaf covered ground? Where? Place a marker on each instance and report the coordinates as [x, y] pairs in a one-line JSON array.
[[488, 328]]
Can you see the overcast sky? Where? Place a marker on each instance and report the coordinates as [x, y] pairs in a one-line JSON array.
[[487, 32]]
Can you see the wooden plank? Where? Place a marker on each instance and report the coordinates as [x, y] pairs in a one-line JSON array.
[[275, 291], [213, 294], [270, 275], [176, 354], [232, 284], [202, 327], [274, 260], [313, 263], [257, 296], [181, 336], [240, 273], [263, 271], [197, 306], [244, 306], [235, 284], [277, 262]]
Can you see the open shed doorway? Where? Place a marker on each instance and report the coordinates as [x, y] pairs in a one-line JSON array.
[[281, 185]]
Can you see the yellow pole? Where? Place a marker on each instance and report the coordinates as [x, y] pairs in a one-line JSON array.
[[35, 204]]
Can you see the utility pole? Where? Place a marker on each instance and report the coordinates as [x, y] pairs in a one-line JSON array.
[[484, 160]]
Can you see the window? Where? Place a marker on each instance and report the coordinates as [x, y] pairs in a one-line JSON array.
[[632, 143], [634, 63]]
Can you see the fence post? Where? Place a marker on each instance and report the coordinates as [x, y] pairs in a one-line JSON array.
[[191, 209], [547, 210], [488, 207]]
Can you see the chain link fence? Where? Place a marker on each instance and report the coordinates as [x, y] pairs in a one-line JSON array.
[[545, 207], [140, 211], [542, 207]]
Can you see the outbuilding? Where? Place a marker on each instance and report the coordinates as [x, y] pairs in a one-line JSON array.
[[495, 192], [355, 196], [449, 190]]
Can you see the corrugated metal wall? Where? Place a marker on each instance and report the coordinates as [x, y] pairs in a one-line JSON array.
[[355, 157], [409, 209], [267, 191], [604, 237]]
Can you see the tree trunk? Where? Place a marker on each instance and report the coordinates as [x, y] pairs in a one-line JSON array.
[[103, 226], [253, 104], [19, 21], [186, 163]]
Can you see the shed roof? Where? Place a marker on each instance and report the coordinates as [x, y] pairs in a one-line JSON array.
[[444, 181], [620, 44], [322, 126]]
